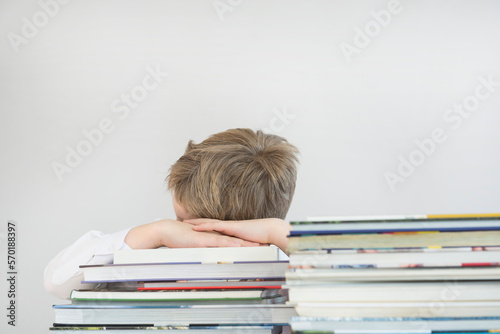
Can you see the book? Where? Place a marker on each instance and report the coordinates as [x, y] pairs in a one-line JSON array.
[[455, 217], [336, 227], [436, 249], [198, 284], [403, 239], [314, 276], [197, 255], [210, 284], [175, 303], [395, 292], [183, 271], [399, 309], [164, 329], [395, 324], [176, 315], [178, 295], [387, 260]]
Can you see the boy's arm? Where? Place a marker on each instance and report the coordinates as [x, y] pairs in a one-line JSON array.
[[176, 234], [264, 231]]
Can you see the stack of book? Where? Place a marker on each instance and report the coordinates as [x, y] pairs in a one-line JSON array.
[[195, 290], [389, 274]]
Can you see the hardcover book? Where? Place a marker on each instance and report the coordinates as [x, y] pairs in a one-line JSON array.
[[179, 315], [197, 255], [183, 271], [165, 329]]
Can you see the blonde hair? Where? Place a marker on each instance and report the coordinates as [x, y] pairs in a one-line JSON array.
[[237, 174]]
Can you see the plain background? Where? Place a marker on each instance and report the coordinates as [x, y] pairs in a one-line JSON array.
[[353, 121]]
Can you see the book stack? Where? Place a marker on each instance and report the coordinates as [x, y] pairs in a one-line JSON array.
[[388, 274], [192, 290]]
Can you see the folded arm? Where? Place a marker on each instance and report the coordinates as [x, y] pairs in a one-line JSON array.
[[176, 234], [263, 231]]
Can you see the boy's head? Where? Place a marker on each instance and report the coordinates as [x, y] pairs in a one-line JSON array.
[[237, 174]]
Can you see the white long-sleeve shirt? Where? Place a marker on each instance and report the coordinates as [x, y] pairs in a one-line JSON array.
[[63, 273]]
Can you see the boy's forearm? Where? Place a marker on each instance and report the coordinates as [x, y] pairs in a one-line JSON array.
[[264, 231], [279, 234], [176, 234], [144, 237]]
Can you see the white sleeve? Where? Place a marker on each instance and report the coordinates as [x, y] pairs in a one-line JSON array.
[[63, 274]]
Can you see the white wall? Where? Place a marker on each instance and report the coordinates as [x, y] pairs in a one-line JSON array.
[[351, 120]]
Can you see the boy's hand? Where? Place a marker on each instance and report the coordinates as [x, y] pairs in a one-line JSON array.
[[175, 234], [264, 231]]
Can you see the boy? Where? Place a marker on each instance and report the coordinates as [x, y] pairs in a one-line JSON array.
[[233, 189]]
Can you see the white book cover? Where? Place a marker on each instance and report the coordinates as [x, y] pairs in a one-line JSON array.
[[198, 255]]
